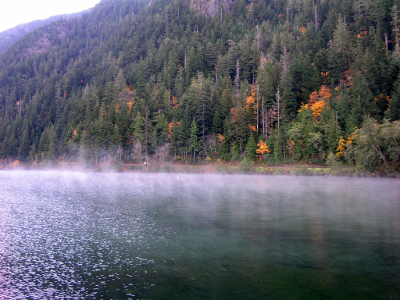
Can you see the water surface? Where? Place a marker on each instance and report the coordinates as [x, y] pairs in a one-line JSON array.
[[169, 236]]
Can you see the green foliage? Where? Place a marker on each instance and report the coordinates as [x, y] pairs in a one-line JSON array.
[[278, 148], [332, 160], [131, 81], [246, 165], [235, 151], [377, 146], [194, 144], [251, 148], [394, 106], [46, 147]]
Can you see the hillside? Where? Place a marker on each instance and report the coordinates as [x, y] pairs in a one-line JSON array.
[[12, 35], [167, 80]]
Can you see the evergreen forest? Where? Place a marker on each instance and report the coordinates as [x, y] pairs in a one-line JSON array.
[[312, 81]]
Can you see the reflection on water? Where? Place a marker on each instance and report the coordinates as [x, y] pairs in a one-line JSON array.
[[144, 236]]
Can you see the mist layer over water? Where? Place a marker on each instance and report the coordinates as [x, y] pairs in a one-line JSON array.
[[169, 236]]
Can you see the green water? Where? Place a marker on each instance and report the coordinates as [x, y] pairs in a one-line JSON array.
[[170, 236]]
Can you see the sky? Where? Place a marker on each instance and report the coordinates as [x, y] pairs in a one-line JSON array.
[[15, 12]]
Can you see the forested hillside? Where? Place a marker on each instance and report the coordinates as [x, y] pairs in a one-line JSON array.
[[279, 80], [8, 37]]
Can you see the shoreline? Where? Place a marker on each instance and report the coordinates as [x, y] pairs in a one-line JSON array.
[[301, 169]]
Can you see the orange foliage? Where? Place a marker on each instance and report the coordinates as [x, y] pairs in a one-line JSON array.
[[318, 100], [170, 125], [313, 98], [350, 139], [317, 108], [16, 163], [384, 98], [343, 144], [303, 29], [249, 106], [129, 104], [325, 74], [324, 93], [341, 149], [175, 103], [253, 128], [347, 76], [250, 100], [262, 148], [306, 106], [117, 108], [221, 139], [362, 34]]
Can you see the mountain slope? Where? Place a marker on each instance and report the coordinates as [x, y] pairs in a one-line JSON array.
[[11, 35], [167, 80]]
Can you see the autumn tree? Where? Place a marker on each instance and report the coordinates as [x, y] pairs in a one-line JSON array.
[[262, 149]]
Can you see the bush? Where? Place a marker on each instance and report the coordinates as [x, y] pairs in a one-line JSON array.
[[333, 161], [376, 145], [246, 165]]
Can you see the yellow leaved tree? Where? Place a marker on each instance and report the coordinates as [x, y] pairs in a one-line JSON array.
[[262, 149], [318, 100], [343, 145]]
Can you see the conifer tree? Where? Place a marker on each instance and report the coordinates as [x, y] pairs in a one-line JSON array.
[[251, 148], [193, 140], [394, 107]]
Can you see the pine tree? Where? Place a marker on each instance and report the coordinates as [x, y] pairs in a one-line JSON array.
[[251, 148], [341, 50], [394, 107], [395, 14], [25, 144], [193, 140], [235, 151]]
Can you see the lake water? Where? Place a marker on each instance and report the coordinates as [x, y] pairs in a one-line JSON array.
[[170, 236]]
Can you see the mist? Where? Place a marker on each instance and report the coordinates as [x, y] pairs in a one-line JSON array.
[[114, 235]]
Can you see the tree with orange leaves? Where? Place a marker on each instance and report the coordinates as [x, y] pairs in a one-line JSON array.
[[262, 149], [318, 100], [343, 145], [323, 94], [317, 109]]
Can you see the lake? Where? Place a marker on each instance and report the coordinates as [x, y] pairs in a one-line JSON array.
[[183, 236]]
